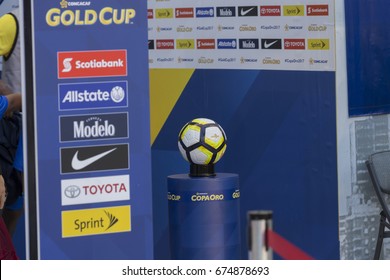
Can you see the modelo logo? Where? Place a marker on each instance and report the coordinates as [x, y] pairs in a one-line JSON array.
[[227, 44], [92, 95], [106, 16], [226, 11], [204, 12], [93, 127], [95, 190], [250, 44]]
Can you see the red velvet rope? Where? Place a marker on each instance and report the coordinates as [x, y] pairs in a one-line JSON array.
[[284, 248]]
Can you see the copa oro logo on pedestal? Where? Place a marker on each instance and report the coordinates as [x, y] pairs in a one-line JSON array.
[[96, 221]]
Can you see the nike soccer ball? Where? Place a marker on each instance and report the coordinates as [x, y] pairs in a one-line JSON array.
[[202, 141]]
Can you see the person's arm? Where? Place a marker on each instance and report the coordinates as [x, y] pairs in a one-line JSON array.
[[3, 193], [4, 88], [14, 104]]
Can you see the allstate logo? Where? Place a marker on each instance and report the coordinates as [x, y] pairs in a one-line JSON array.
[[117, 94], [72, 191]]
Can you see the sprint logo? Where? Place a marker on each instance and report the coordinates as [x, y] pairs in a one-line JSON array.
[[96, 221]]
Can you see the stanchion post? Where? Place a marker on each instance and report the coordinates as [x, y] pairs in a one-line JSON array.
[[259, 222]]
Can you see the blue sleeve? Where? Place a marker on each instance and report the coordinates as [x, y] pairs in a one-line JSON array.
[[18, 161], [3, 105]]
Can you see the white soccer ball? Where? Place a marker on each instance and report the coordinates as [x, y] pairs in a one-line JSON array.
[[202, 141]]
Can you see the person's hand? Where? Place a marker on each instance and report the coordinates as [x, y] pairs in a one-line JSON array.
[[3, 194]]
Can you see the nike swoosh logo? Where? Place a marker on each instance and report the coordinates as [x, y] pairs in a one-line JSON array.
[[80, 164], [267, 45], [243, 13]]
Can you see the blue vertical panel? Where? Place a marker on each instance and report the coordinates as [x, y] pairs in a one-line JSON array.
[[367, 25], [93, 178]]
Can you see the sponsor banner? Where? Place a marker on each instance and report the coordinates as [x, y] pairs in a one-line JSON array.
[[94, 158], [74, 96], [92, 63], [93, 127], [205, 12], [294, 44], [248, 11], [226, 11], [96, 221], [87, 64], [318, 44], [271, 44], [164, 13], [270, 11], [184, 12], [294, 10], [295, 26], [95, 190]]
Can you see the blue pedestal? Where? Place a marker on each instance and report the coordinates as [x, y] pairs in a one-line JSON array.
[[204, 218]]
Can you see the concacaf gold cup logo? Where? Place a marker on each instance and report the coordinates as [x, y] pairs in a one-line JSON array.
[[64, 16]]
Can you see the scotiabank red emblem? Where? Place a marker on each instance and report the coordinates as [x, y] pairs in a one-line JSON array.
[[92, 64], [205, 44], [294, 44], [150, 13], [270, 11], [184, 12], [165, 44], [317, 10]]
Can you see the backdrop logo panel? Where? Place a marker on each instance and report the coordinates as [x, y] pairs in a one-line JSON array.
[[96, 221], [283, 21], [95, 189], [84, 64]]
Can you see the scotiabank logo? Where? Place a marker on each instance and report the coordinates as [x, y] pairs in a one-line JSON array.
[[184, 12], [270, 11], [205, 44], [95, 189], [294, 44], [85, 64], [317, 10], [165, 44]]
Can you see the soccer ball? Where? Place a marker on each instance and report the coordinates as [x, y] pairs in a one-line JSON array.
[[202, 141]]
